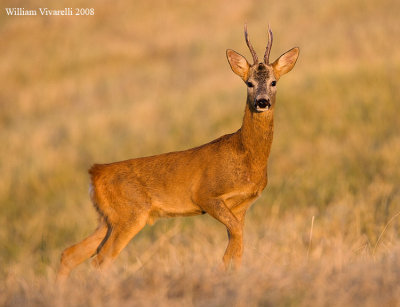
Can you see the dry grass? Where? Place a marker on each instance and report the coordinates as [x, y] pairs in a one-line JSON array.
[[146, 77]]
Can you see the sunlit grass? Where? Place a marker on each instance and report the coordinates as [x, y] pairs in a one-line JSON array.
[[140, 79]]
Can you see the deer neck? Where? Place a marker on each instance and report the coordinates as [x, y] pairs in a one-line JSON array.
[[256, 134]]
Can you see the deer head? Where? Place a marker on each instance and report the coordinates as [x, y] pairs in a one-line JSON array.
[[261, 77]]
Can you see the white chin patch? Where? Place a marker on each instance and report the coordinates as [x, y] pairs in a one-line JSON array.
[[263, 109]]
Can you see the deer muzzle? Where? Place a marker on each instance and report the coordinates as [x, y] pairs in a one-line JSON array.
[[262, 104]]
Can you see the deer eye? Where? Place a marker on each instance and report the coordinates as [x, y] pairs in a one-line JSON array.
[[249, 84], [273, 83]]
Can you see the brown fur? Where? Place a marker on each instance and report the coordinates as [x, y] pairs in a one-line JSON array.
[[221, 178]]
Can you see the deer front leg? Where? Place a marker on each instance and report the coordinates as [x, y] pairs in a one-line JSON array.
[[217, 209]]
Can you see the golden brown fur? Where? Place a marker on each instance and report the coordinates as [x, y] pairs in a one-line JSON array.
[[221, 178]]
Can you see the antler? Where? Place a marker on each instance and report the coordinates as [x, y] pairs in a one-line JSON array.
[[253, 53], [269, 45]]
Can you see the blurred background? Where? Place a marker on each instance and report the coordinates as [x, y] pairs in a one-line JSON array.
[[146, 77]]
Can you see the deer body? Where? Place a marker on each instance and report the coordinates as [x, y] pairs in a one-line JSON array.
[[221, 178], [173, 184]]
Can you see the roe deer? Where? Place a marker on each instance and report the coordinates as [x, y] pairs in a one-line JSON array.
[[221, 178]]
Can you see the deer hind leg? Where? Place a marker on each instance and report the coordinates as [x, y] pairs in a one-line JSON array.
[[78, 253], [217, 209], [121, 234]]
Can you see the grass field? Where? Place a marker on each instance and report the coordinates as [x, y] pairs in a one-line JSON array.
[[145, 77]]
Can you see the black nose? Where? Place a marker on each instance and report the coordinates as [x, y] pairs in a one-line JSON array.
[[263, 103]]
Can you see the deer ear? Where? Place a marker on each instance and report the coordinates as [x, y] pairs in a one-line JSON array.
[[285, 62], [238, 63]]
